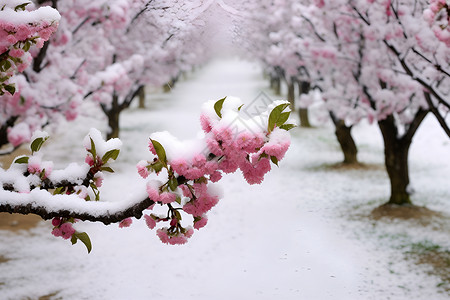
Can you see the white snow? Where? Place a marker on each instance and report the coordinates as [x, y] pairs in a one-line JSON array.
[[22, 17], [101, 146], [295, 236]]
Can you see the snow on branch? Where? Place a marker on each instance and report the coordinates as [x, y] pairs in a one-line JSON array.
[[48, 206]]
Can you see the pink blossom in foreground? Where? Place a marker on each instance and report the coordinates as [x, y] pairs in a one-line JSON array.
[[203, 203], [205, 123], [126, 223], [255, 170], [179, 239], [151, 223], [142, 168], [167, 197], [56, 222], [98, 179], [228, 148], [201, 222], [16, 52], [216, 176], [65, 231], [153, 190]]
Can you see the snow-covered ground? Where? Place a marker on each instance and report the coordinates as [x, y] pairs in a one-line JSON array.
[[302, 234]]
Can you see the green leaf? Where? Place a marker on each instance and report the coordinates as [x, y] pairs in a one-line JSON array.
[[59, 190], [22, 160], [177, 215], [83, 236], [111, 154], [74, 239], [21, 6], [10, 88], [274, 160], [201, 180], [173, 183], [283, 118], [6, 65], [218, 107], [157, 166], [107, 169], [27, 46], [287, 127], [160, 152], [37, 144], [178, 199], [275, 116], [239, 108], [93, 151]]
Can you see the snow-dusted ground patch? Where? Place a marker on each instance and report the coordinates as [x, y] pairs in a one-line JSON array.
[[303, 234]]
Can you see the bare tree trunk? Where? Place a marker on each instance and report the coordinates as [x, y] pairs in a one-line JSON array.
[[141, 94], [396, 150], [346, 141], [276, 85], [304, 88], [4, 130], [113, 114], [291, 94], [167, 87]]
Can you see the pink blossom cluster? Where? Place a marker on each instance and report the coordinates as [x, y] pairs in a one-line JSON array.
[[437, 16], [62, 228], [229, 146], [155, 193], [16, 38], [167, 238], [202, 199], [39, 167]]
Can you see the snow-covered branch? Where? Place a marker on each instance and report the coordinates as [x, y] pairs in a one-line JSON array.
[[48, 206]]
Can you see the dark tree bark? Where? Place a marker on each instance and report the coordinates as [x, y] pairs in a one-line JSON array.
[[304, 87], [345, 139], [141, 94], [171, 84], [277, 86], [4, 130], [168, 86], [108, 216], [396, 150], [291, 94], [113, 115], [113, 111]]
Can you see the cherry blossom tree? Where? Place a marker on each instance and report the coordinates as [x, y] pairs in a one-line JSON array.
[[104, 51], [154, 47], [297, 48], [383, 60], [392, 70]]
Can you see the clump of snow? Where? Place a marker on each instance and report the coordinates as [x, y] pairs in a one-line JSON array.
[[74, 173], [101, 146]]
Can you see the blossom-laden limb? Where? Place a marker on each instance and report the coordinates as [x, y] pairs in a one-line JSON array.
[[191, 168]]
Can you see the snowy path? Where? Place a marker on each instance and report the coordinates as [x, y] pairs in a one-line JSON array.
[[284, 239]]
